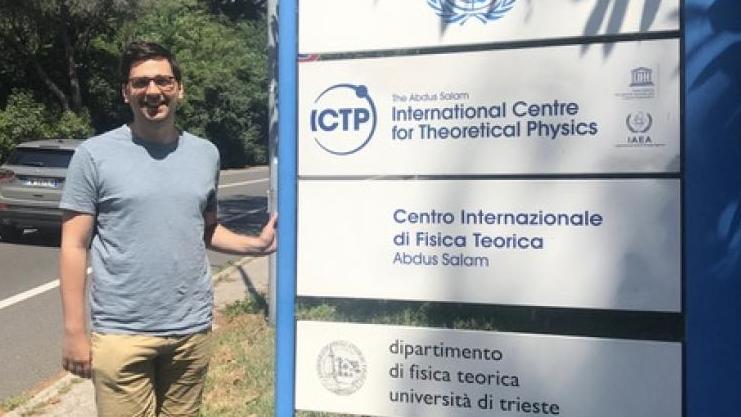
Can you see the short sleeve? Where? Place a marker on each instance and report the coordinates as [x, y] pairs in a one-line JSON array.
[[212, 204], [80, 193]]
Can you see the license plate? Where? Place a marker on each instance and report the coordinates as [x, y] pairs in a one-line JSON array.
[[42, 182]]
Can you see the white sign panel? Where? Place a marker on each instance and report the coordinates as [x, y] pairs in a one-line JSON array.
[[610, 108], [352, 25], [402, 371], [604, 244]]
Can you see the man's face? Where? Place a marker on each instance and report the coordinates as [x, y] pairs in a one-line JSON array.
[[152, 91]]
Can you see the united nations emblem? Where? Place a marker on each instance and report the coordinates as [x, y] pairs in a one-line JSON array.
[[639, 122], [341, 367], [452, 11]]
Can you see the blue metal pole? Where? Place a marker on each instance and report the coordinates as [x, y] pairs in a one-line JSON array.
[[712, 52], [286, 268]]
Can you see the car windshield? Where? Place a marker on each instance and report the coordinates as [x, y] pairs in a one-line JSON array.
[[50, 158]]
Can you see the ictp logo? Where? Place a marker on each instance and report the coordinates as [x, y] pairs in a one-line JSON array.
[[343, 119]]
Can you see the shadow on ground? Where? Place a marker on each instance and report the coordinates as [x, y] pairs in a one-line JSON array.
[[33, 237], [243, 213]]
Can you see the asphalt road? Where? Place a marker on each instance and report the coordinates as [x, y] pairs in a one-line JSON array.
[[30, 309]]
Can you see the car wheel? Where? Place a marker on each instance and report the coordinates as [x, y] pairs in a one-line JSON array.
[[10, 233]]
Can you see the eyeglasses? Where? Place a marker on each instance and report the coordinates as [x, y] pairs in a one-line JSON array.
[[163, 82]]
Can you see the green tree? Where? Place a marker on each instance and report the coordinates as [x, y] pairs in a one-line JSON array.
[[47, 54], [47, 43], [236, 10], [65, 54], [224, 70], [24, 119]]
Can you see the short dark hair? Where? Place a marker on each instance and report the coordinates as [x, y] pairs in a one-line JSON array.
[[137, 51]]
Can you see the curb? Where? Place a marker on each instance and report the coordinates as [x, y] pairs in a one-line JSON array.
[[44, 397], [221, 275]]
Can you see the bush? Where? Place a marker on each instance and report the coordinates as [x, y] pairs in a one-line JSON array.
[[25, 119], [22, 119], [71, 126]]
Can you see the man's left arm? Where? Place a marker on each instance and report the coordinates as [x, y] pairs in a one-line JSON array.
[[220, 238]]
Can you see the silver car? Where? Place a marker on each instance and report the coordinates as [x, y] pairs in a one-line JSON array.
[[31, 183]]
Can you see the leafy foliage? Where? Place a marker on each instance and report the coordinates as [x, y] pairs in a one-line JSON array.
[[236, 10], [73, 86], [26, 119], [23, 118], [47, 44], [224, 74], [70, 125]]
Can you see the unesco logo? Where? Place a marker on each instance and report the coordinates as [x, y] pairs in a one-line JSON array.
[[453, 11], [642, 84], [341, 367], [343, 118], [641, 77]]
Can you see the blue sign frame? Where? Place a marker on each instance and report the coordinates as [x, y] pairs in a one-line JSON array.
[[712, 218], [285, 343], [712, 206]]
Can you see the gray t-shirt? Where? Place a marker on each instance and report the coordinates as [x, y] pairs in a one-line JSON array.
[[150, 270]]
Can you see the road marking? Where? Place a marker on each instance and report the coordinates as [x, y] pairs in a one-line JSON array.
[[235, 184], [25, 295], [240, 215], [229, 172], [28, 294]]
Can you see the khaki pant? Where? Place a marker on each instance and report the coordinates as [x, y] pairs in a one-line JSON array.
[[147, 376]]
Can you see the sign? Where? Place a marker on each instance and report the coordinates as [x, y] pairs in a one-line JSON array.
[[339, 25], [404, 371], [501, 152], [555, 110], [577, 243]]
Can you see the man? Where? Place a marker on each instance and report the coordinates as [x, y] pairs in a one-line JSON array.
[[146, 195]]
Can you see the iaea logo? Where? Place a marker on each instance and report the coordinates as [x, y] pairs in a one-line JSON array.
[[452, 11], [343, 118], [639, 122]]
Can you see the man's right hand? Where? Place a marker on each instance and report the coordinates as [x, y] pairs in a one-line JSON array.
[[76, 357], [76, 231]]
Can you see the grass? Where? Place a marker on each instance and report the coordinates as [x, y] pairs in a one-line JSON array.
[[240, 378], [250, 305], [67, 388], [14, 402], [452, 316], [30, 409]]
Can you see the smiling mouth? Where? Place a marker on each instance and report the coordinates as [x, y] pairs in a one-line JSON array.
[[153, 108]]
